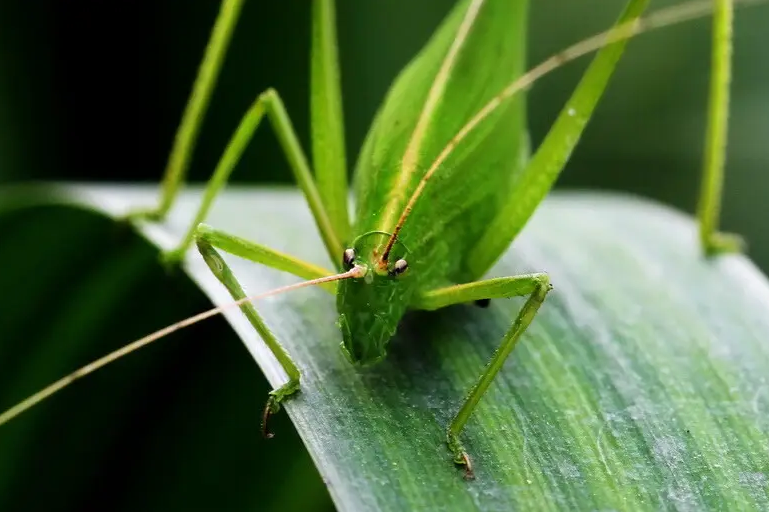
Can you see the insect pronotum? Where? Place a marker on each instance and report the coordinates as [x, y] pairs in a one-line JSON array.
[[387, 261]]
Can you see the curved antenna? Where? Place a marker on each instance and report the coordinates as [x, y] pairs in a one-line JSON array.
[[32, 400], [660, 19]]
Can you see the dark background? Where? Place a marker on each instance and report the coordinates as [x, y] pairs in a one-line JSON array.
[[93, 91]]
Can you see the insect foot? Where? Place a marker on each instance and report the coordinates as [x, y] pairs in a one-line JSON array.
[[460, 455], [172, 259], [722, 243], [149, 215], [273, 404]]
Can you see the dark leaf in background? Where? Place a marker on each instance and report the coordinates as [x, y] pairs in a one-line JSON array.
[[76, 286]]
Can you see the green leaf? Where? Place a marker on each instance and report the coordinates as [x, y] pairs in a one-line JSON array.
[[642, 383]]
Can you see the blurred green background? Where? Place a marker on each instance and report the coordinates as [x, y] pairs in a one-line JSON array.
[[93, 91]]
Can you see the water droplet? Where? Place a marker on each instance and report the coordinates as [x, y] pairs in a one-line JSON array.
[[572, 112]]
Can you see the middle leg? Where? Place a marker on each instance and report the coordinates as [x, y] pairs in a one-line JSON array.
[[267, 104], [536, 286]]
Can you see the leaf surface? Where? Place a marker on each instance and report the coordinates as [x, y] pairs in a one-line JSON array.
[[642, 383]]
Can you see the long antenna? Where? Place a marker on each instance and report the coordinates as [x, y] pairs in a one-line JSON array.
[[356, 272], [660, 19]]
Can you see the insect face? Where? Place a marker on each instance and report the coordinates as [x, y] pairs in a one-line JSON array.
[[370, 308]]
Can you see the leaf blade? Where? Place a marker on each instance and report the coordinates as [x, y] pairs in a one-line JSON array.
[[621, 395]]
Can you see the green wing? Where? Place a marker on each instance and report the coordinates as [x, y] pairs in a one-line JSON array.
[[478, 48]]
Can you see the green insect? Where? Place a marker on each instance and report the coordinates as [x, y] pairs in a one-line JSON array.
[[442, 188]]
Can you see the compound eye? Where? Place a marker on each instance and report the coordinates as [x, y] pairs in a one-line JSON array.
[[399, 268], [348, 259]]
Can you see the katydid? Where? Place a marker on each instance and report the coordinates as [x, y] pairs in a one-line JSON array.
[[439, 197]]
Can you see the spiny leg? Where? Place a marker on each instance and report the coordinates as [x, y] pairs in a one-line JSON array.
[[709, 205], [536, 286], [270, 104], [195, 111], [206, 238]]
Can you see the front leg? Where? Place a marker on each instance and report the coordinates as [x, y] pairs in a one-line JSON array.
[[206, 238], [536, 286]]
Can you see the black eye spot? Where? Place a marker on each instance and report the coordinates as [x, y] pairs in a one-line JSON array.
[[348, 259], [399, 268]]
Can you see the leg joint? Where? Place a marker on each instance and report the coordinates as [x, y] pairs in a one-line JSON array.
[[203, 231], [270, 95], [543, 283]]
